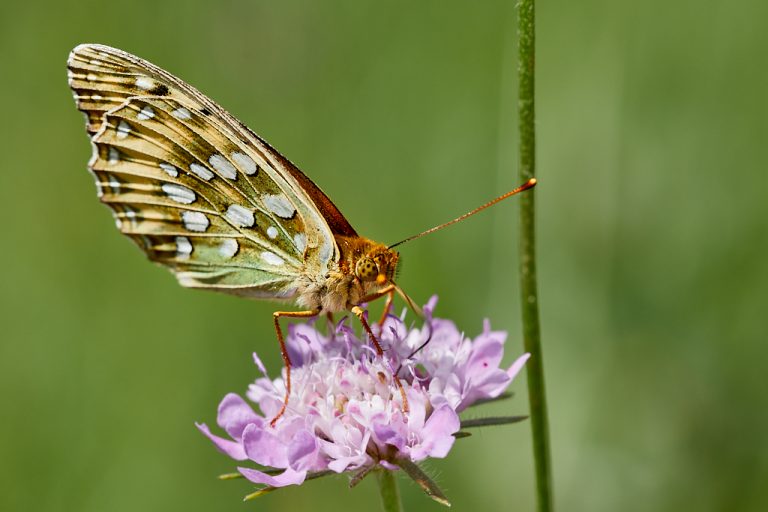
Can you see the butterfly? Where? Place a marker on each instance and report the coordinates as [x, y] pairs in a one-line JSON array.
[[203, 195]]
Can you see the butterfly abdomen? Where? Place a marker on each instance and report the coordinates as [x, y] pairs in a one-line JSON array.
[[331, 294]]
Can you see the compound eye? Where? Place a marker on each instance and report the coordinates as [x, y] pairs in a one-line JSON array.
[[367, 269]]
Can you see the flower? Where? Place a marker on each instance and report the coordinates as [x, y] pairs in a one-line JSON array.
[[346, 413]]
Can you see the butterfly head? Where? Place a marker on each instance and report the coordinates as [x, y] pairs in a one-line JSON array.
[[377, 265]]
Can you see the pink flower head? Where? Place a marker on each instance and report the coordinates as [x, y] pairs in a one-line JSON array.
[[345, 412]]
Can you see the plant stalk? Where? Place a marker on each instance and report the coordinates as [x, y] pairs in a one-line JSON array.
[[390, 494], [528, 289]]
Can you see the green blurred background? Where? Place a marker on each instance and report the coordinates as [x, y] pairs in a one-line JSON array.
[[653, 231]]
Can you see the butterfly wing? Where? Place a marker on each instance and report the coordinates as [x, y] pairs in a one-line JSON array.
[[195, 188]]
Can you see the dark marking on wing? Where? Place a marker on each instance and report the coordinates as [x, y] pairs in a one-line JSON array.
[[159, 90]]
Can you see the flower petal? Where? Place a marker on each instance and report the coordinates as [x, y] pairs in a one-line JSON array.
[[235, 414], [437, 435], [303, 451], [348, 463], [267, 394], [430, 306], [287, 477], [265, 448], [390, 434], [487, 350], [231, 448], [518, 365], [259, 364]]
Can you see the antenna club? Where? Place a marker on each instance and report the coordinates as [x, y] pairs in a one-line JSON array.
[[532, 182]]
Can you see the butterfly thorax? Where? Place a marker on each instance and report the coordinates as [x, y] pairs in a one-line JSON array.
[[363, 269]]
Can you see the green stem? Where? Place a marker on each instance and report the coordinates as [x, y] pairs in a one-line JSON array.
[[528, 289], [390, 495]]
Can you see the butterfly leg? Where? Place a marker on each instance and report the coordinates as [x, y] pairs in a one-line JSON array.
[[387, 306], [360, 314], [389, 291], [284, 352]]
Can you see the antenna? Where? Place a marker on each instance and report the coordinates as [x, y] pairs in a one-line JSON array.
[[525, 186]]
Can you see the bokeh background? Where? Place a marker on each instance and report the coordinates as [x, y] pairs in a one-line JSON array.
[[653, 234]]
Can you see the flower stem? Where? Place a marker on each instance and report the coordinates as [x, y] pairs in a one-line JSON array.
[[528, 290], [390, 494]]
